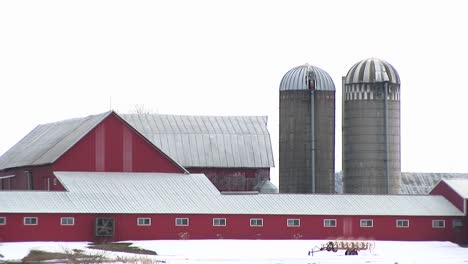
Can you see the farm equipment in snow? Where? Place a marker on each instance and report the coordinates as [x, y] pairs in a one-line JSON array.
[[351, 247]]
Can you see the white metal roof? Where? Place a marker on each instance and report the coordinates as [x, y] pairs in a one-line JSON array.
[[47, 142], [147, 193], [208, 141], [460, 186]]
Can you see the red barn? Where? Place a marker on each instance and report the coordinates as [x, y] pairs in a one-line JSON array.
[[119, 206], [234, 152], [105, 177]]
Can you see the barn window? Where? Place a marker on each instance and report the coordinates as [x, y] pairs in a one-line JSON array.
[[402, 223], [2, 220], [457, 223], [30, 220], [438, 223], [182, 221], [294, 222], [256, 222], [219, 221], [144, 221], [329, 222], [367, 223], [67, 221]]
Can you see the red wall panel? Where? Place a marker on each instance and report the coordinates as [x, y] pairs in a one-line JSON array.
[[234, 179], [238, 227], [443, 189], [103, 150]]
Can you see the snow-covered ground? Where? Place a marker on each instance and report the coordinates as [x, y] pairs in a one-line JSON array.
[[263, 251]]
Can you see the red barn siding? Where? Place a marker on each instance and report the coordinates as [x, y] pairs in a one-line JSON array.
[[43, 179], [234, 179], [443, 189], [238, 227], [113, 146]]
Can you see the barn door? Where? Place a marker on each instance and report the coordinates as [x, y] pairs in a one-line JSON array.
[[347, 227]]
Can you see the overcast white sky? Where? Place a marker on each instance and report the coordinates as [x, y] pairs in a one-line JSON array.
[[65, 59]]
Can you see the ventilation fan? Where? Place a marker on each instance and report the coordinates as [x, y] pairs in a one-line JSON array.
[[104, 227]]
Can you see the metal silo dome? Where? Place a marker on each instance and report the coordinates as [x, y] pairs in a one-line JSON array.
[[307, 131], [372, 70], [298, 79]]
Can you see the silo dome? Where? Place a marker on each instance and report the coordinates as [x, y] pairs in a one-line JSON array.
[[297, 79], [372, 70]]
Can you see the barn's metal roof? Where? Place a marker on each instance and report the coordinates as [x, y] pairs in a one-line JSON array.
[[208, 141], [372, 70], [298, 79], [47, 142], [146, 193], [460, 186], [192, 141], [422, 183]]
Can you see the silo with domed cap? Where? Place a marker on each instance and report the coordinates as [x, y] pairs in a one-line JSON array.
[[307, 131], [371, 128]]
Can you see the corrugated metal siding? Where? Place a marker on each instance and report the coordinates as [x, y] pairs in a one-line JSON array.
[[47, 142], [208, 141], [297, 79], [422, 183], [150, 193], [372, 70]]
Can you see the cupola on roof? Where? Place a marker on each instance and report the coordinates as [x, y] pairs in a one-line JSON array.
[[298, 79], [372, 70]]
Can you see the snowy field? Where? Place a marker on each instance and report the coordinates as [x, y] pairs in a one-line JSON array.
[[263, 251]]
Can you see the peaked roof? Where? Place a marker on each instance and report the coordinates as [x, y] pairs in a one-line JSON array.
[[47, 142], [172, 193], [460, 186], [208, 141]]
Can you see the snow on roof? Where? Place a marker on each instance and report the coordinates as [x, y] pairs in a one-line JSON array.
[[170, 193], [208, 141], [47, 142]]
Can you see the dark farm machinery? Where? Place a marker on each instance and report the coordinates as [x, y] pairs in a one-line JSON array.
[[351, 247]]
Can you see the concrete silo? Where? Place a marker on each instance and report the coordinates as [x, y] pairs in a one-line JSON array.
[[307, 131], [371, 128]]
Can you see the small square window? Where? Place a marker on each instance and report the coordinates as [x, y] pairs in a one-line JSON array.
[[144, 221], [256, 222], [2, 220], [30, 220], [329, 222], [457, 223], [367, 223], [402, 223], [294, 222], [438, 223], [67, 221], [219, 221], [182, 221]]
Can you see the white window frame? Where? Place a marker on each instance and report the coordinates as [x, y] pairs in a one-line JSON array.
[[143, 221], [219, 221], [293, 222], [180, 221], [30, 217], [366, 221], [3, 220], [256, 222], [438, 221], [62, 219], [327, 222], [399, 221]]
